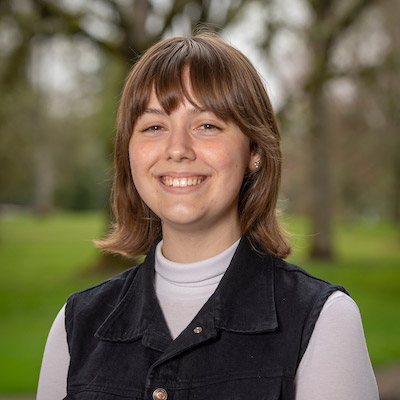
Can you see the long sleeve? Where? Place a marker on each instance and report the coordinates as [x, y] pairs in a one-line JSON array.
[[54, 369], [336, 364]]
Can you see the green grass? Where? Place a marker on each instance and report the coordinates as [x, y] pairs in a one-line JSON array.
[[42, 261]]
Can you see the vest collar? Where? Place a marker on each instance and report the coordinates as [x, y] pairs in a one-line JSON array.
[[243, 302]]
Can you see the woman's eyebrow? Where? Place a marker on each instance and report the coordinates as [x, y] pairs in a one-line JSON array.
[[157, 111], [154, 111], [197, 110]]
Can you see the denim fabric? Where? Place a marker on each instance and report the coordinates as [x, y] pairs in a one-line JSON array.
[[254, 330]]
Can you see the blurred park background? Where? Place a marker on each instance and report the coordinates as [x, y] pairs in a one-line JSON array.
[[331, 68]]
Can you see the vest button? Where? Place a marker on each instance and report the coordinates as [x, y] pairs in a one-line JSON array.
[[198, 329], [160, 394]]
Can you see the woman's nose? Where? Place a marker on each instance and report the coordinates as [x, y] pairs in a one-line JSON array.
[[180, 145]]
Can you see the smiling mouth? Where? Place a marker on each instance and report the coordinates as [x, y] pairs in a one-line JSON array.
[[182, 182]]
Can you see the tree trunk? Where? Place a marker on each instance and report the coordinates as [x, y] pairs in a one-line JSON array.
[[44, 182], [396, 190], [321, 177]]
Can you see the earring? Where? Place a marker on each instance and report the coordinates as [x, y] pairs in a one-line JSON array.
[[256, 164]]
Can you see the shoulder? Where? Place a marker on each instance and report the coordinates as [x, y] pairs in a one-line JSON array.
[[336, 363], [113, 284], [291, 277], [300, 298], [285, 267], [340, 303], [339, 328], [101, 298], [340, 314]]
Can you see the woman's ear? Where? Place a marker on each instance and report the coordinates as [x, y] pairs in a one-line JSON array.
[[254, 162]]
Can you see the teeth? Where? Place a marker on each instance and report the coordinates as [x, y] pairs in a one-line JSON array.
[[182, 182]]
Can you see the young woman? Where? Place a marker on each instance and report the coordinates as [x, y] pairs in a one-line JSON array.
[[213, 312]]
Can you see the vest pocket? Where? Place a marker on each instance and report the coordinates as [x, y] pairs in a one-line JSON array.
[[98, 396], [256, 388], [101, 395]]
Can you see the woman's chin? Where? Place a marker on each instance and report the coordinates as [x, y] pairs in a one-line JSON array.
[[182, 221]]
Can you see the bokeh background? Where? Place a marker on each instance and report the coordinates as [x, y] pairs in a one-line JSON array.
[[331, 68]]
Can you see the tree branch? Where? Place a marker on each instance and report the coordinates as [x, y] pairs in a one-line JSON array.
[[72, 24], [330, 28], [177, 8]]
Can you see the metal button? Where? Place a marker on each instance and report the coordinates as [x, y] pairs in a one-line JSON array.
[[160, 394], [198, 329]]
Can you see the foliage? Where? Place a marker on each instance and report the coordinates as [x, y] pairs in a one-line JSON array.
[[43, 260]]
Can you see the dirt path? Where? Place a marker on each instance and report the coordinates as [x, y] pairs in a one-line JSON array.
[[389, 382]]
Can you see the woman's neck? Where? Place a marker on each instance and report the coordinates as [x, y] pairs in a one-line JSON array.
[[188, 247], [192, 275]]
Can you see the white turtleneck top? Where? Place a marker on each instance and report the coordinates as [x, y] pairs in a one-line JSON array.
[[335, 365], [182, 289]]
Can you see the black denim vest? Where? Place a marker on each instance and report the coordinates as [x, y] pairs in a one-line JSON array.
[[244, 344]]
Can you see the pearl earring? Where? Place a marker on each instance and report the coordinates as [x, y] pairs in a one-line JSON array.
[[256, 164]]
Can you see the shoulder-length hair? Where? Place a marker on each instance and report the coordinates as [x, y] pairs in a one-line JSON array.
[[224, 81]]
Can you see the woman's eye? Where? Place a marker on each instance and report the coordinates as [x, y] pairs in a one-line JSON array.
[[208, 127], [153, 128]]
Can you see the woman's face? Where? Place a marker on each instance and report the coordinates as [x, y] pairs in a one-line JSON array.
[[188, 166]]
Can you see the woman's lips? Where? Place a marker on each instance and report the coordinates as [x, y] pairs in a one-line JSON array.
[[182, 182]]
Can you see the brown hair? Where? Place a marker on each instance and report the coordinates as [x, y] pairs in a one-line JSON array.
[[225, 82]]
